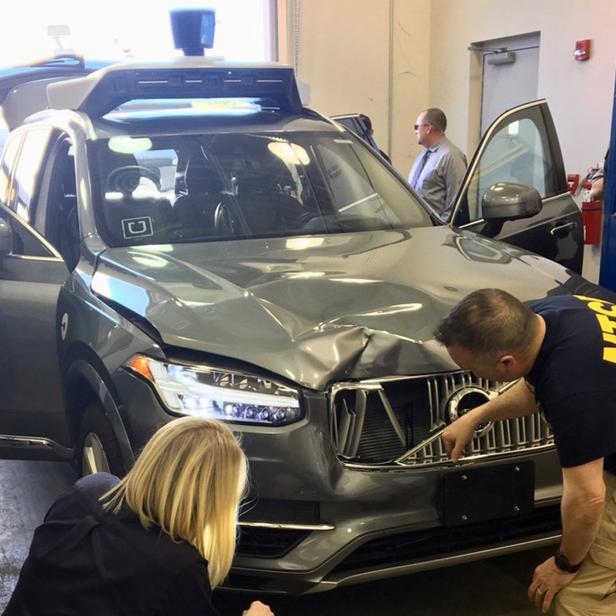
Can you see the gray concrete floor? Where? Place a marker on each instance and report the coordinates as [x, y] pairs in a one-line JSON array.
[[495, 587]]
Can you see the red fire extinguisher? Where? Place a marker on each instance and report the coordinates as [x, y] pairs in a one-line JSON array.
[[592, 216]]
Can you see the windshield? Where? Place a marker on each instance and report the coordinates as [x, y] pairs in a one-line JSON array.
[[208, 187]]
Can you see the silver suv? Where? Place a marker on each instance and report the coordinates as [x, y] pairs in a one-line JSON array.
[[187, 238]]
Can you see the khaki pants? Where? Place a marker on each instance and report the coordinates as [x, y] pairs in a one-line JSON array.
[[593, 591]]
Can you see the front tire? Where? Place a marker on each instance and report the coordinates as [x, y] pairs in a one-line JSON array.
[[98, 447]]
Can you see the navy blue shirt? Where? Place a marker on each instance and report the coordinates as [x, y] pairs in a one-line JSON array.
[[574, 377], [84, 560]]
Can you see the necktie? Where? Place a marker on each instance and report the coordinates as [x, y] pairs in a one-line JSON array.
[[419, 169]]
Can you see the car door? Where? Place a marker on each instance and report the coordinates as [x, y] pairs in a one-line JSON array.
[[361, 125], [31, 275], [521, 146], [23, 89]]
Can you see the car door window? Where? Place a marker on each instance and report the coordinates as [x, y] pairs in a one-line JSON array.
[[518, 152], [6, 169], [28, 172], [24, 242]]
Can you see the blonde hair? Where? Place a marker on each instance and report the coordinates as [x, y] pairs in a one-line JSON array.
[[188, 480]]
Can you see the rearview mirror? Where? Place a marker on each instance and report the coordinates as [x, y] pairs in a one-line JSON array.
[[507, 201], [5, 237]]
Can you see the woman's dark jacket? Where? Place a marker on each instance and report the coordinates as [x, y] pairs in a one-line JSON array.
[[84, 561]]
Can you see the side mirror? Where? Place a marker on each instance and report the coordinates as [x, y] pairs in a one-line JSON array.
[[507, 201], [5, 238]]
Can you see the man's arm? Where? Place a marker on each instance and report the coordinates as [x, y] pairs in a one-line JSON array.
[[455, 169], [581, 508], [515, 402]]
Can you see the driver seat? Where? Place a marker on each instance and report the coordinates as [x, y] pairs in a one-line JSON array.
[[196, 209], [130, 217]]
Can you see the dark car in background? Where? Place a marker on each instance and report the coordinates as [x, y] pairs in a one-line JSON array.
[[187, 238]]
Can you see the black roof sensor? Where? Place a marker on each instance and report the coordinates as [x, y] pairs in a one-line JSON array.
[[193, 30]]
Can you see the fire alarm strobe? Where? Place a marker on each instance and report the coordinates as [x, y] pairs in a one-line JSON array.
[[582, 50]]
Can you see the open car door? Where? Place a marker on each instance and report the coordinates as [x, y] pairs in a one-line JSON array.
[[521, 147], [23, 89], [361, 125]]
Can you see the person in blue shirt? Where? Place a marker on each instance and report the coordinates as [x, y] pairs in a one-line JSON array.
[[438, 171], [561, 350], [154, 543]]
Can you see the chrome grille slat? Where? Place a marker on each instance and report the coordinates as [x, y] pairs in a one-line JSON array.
[[392, 417], [357, 424], [516, 430], [432, 397], [373, 434]]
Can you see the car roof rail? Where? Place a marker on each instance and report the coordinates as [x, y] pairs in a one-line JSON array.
[[102, 91]]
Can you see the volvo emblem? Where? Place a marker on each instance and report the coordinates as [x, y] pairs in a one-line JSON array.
[[465, 399]]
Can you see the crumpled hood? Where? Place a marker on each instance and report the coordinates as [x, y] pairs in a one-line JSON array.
[[320, 309]]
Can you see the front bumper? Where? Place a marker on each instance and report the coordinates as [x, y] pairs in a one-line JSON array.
[[313, 523]]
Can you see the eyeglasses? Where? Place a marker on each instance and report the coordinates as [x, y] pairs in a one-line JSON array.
[[418, 125]]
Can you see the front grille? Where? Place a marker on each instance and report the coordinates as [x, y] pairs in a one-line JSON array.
[[409, 547], [394, 421]]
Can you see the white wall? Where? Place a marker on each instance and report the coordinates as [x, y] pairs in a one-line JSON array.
[[344, 51], [345, 48], [357, 55], [580, 94]]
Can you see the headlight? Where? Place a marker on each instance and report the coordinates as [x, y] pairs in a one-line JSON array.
[[219, 394]]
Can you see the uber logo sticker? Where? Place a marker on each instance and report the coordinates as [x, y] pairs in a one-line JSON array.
[[137, 227]]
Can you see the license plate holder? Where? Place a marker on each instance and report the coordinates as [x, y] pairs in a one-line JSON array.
[[471, 495]]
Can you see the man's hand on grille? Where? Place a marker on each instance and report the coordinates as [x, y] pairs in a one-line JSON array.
[[457, 436]]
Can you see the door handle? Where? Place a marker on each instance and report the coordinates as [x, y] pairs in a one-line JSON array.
[[561, 229]]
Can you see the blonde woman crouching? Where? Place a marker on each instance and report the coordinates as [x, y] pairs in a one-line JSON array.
[[151, 544]]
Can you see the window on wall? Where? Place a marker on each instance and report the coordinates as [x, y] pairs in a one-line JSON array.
[[117, 29]]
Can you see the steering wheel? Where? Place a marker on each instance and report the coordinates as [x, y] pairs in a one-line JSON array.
[[126, 179], [227, 219]]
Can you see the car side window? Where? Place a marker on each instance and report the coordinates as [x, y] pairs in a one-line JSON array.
[[516, 152], [28, 172], [6, 169], [24, 242]]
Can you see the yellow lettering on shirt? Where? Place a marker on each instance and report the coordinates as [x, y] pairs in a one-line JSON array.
[[609, 354], [609, 338], [598, 307], [607, 326], [603, 311]]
